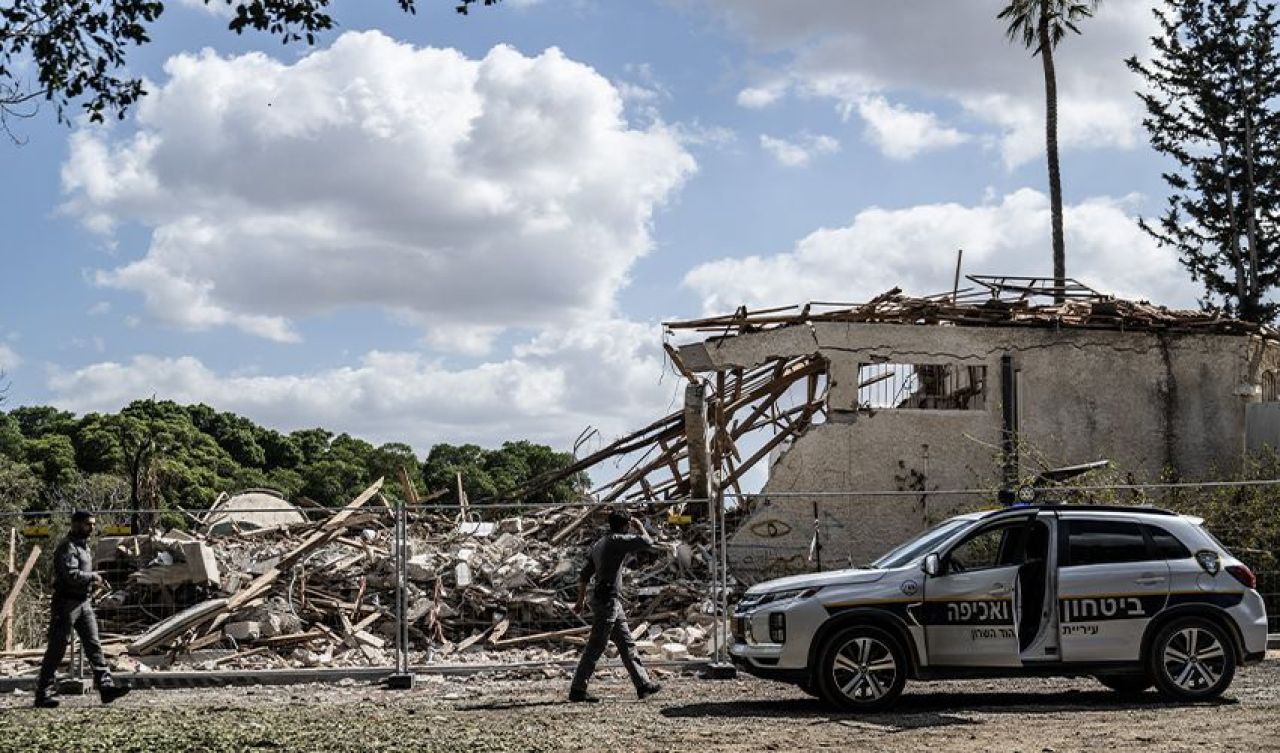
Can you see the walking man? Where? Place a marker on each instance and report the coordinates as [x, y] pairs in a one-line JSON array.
[[73, 583], [608, 620]]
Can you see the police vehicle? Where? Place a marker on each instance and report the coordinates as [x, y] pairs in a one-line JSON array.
[[1134, 596]]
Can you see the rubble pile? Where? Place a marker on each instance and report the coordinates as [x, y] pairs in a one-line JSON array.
[[323, 594]]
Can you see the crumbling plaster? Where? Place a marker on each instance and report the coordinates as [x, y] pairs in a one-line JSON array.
[[1150, 402]]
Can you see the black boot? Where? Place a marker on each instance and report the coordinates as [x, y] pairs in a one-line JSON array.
[[45, 701], [109, 691], [582, 696], [645, 691]]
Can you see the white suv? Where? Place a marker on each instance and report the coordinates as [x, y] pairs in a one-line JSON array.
[[1134, 596]]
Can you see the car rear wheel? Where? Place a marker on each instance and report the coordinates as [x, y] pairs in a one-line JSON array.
[[1126, 684], [862, 668], [1192, 659]]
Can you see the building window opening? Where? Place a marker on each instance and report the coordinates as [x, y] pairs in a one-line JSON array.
[[921, 386]]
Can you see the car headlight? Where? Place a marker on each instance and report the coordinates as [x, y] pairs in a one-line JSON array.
[[788, 595]]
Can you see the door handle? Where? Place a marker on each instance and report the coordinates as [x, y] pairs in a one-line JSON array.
[[999, 589], [1149, 580]]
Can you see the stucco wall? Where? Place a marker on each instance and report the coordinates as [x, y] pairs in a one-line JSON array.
[[1146, 402]]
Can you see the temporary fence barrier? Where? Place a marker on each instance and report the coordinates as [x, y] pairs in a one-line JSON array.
[[485, 583]]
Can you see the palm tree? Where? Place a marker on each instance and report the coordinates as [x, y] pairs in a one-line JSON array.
[[1040, 25]]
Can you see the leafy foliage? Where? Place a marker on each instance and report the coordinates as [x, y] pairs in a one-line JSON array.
[[158, 455], [496, 474], [79, 50], [1212, 107], [1060, 16]]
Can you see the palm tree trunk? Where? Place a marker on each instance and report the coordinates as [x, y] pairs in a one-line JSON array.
[[1051, 149]]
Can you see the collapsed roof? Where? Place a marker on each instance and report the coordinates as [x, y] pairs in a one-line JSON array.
[[990, 301], [784, 395]]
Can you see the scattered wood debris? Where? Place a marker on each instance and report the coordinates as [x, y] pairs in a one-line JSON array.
[[323, 594]]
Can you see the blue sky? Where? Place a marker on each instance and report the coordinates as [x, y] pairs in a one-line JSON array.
[[438, 228]]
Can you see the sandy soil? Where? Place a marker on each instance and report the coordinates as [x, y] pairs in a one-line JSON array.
[[527, 713]]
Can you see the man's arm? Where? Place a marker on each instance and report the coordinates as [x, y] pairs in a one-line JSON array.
[[644, 542], [584, 577]]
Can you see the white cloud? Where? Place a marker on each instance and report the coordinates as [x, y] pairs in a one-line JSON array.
[[9, 358], [901, 133], [609, 376], [915, 248], [800, 151], [467, 194], [955, 51], [757, 97]]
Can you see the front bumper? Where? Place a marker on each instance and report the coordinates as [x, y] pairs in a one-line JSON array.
[[754, 666]]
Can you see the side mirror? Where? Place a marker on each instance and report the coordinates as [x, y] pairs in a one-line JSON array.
[[931, 565]]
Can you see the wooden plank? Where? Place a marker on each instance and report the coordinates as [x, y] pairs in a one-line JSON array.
[[555, 634], [327, 531], [241, 655], [7, 610], [8, 620], [290, 638], [573, 525], [776, 440]]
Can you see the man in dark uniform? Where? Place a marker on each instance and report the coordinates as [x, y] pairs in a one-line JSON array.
[[608, 620], [73, 583]]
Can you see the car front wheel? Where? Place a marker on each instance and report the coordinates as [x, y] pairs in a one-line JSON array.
[[1192, 660], [862, 668]]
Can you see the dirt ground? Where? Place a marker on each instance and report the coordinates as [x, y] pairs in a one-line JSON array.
[[527, 714]]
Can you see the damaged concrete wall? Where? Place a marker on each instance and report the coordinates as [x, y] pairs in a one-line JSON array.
[[1146, 401]]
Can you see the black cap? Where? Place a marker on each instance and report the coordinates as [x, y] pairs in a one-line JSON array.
[[80, 516]]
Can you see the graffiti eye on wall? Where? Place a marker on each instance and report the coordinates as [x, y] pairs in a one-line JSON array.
[[771, 529]]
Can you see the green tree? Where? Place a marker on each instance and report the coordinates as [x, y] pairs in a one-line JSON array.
[[237, 435], [386, 461], [312, 444], [38, 420], [489, 475], [1212, 89], [1040, 25], [167, 459], [281, 451], [333, 481], [10, 437], [445, 461], [20, 489], [97, 444], [52, 457], [79, 50]]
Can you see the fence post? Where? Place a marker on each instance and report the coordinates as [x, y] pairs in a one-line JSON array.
[[402, 678]]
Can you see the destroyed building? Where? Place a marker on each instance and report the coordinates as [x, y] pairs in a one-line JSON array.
[[934, 393]]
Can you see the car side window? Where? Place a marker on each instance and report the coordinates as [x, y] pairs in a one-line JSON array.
[[1167, 545], [1099, 542], [985, 549]]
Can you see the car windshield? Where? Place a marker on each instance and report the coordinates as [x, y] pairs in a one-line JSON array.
[[921, 545]]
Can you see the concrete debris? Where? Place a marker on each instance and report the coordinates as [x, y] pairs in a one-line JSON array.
[[324, 595]]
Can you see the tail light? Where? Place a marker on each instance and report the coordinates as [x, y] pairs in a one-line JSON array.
[[1244, 575]]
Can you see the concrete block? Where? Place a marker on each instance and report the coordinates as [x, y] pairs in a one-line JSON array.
[[242, 632], [648, 649], [674, 651]]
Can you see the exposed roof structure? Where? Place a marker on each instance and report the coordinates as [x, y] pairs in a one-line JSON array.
[[989, 301], [785, 395]]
